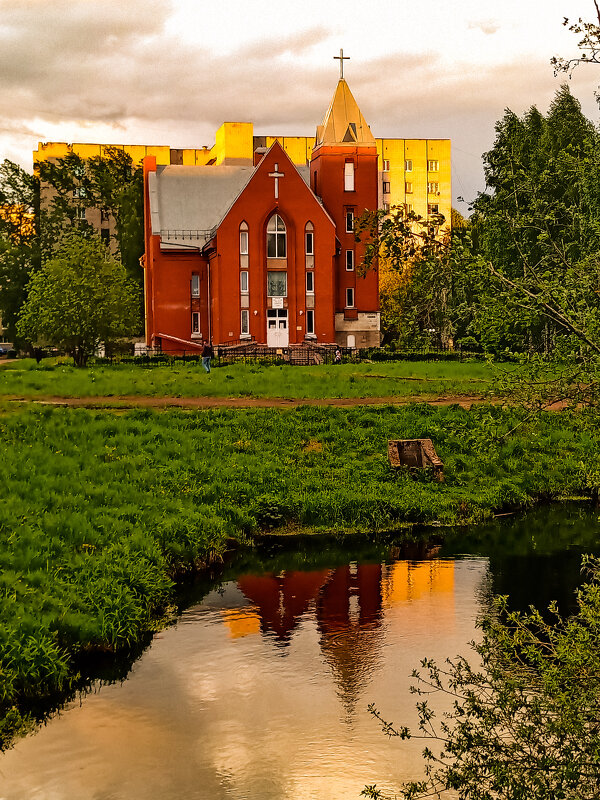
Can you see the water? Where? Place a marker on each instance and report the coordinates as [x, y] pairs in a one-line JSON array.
[[260, 690]]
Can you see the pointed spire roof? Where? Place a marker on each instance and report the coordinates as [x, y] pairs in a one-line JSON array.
[[344, 123]]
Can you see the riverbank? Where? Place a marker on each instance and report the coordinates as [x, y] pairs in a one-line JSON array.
[[101, 511]]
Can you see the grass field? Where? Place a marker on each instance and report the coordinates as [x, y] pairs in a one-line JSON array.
[[24, 378], [100, 511]]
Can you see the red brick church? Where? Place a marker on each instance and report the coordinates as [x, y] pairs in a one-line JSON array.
[[264, 252]]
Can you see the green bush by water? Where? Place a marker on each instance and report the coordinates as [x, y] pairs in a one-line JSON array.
[[101, 511]]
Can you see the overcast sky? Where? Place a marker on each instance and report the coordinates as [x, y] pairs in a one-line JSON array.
[[171, 71]]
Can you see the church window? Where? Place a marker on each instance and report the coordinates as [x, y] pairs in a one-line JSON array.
[[310, 282], [408, 187], [349, 221], [310, 321], [196, 323], [433, 187], [349, 298], [276, 237], [195, 285], [349, 176], [244, 281], [386, 165], [386, 187], [245, 322], [309, 242], [349, 260], [244, 239], [276, 284], [408, 165], [433, 166]]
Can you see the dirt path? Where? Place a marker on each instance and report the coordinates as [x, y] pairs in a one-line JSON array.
[[234, 402]]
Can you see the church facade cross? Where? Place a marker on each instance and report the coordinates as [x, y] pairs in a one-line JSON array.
[[341, 58], [276, 175]]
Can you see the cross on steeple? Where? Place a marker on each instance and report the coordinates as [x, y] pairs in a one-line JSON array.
[[341, 58], [276, 175]]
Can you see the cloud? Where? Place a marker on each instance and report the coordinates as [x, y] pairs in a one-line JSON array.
[[488, 27]]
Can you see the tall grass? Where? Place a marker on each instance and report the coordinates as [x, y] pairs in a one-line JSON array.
[[100, 511], [26, 379]]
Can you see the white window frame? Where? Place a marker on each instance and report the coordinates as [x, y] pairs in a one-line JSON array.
[[243, 243], [433, 187], [431, 207], [309, 243], [244, 322], [196, 333], [195, 285], [244, 281], [408, 165], [79, 191], [386, 187], [80, 212], [349, 260], [349, 176], [310, 282], [433, 165], [408, 187], [350, 219], [276, 272], [349, 297], [310, 321], [385, 167], [277, 233]]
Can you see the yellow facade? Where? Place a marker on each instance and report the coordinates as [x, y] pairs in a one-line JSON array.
[[413, 172]]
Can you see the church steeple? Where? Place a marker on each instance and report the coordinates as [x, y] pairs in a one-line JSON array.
[[344, 123]]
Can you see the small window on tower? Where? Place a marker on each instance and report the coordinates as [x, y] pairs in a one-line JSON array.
[[310, 321], [350, 221], [195, 285], [245, 323], [349, 176], [309, 243], [310, 282], [349, 298], [196, 324], [244, 239], [349, 260], [244, 281]]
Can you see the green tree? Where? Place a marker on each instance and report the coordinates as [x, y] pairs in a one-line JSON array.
[[79, 298], [19, 247], [111, 183], [525, 717]]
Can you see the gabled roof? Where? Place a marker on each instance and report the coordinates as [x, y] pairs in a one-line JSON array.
[[187, 204], [344, 123]]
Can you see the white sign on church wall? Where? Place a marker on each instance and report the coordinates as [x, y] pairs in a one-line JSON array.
[[277, 302]]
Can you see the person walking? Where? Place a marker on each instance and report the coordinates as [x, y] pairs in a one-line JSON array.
[[207, 354]]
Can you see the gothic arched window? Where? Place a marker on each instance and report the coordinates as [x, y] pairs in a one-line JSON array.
[[276, 237]]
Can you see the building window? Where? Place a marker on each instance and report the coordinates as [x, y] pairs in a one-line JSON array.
[[433, 166], [276, 237], [433, 187], [386, 165], [386, 207], [386, 187], [310, 282], [104, 215], [195, 285], [350, 221], [349, 176], [408, 165], [409, 208], [245, 322], [196, 323], [408, 187], [349, 260], [244, 281], [243, 243], [433, 208], [308, 238], [349, 298], [79, 191], [310, 321], [80, 212], [276, 284]]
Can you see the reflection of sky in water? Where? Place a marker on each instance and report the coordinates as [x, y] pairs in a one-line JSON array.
[[260, 692]]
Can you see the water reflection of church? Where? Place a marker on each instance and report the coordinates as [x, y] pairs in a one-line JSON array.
[[352, 605]]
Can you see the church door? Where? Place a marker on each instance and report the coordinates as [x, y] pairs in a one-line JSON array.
[[278, 334]]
